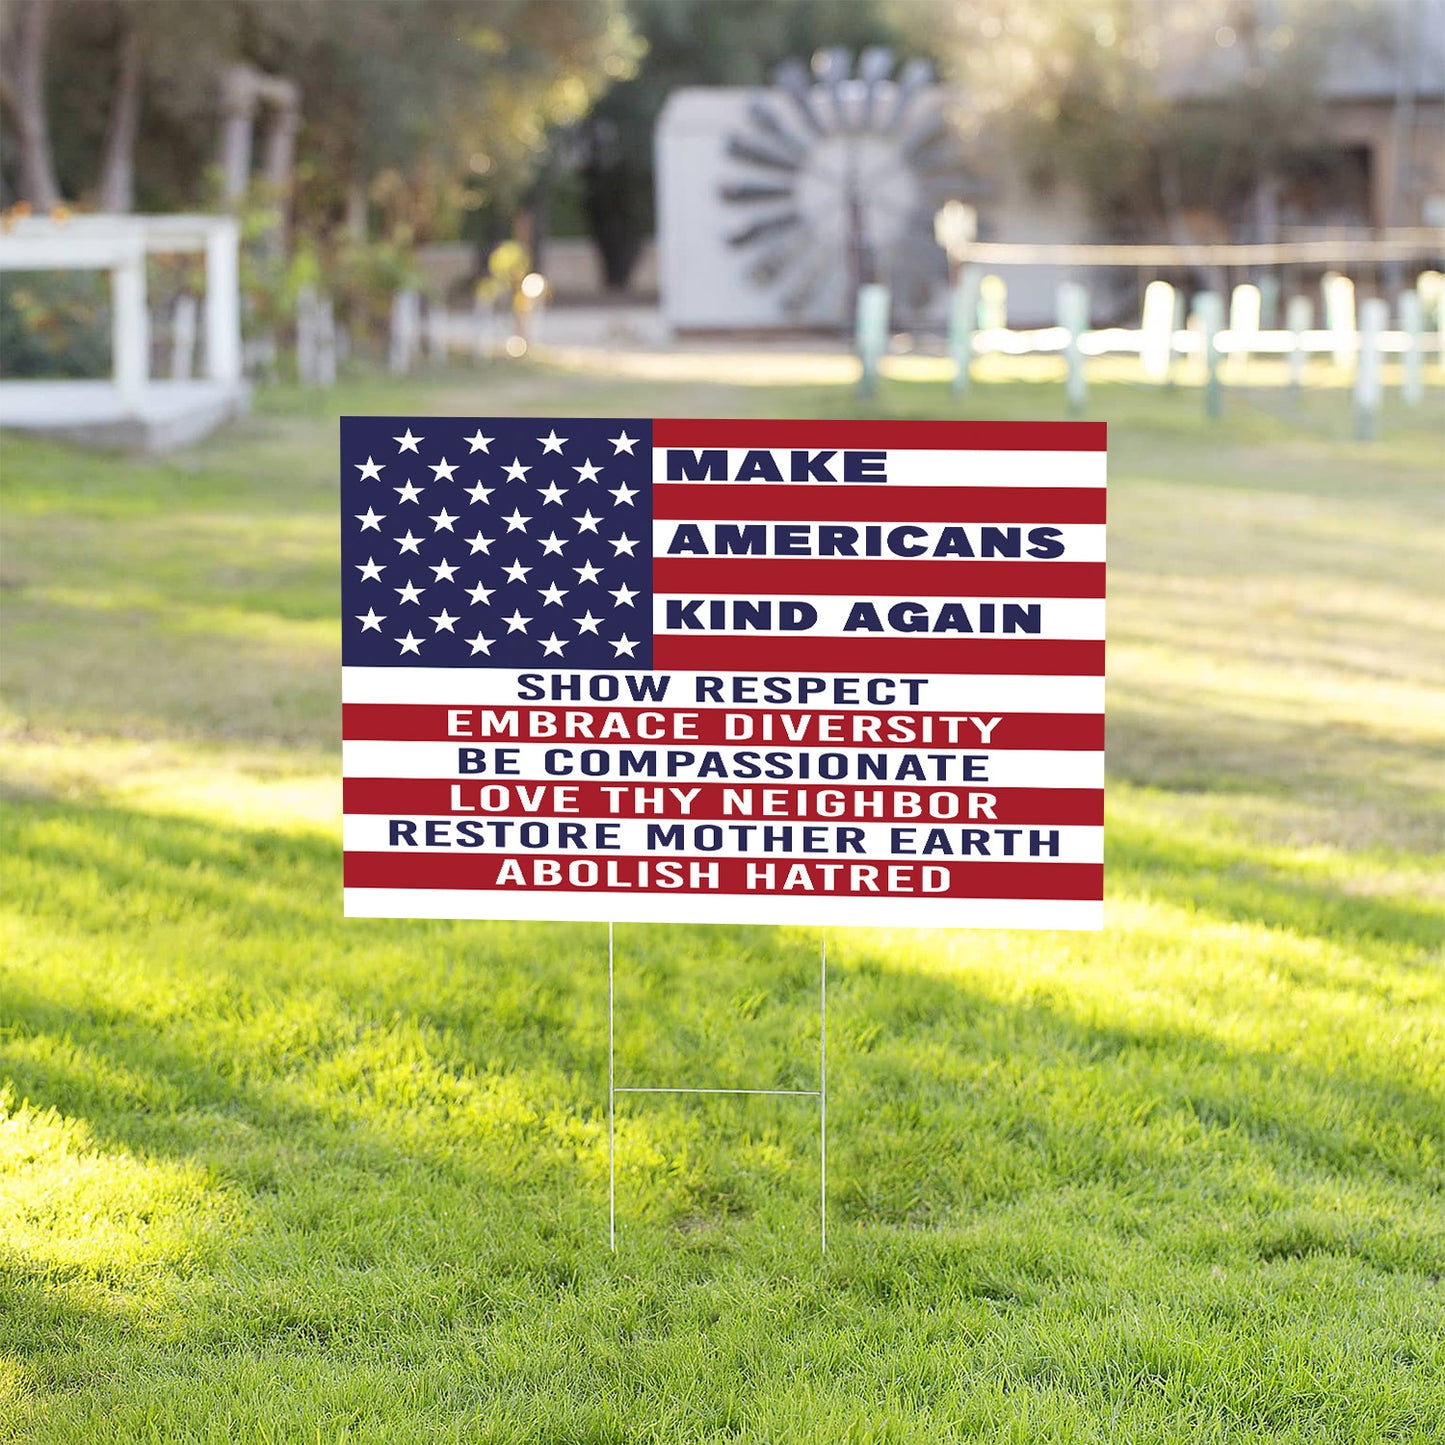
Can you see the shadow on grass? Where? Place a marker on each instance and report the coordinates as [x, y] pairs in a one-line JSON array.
[[254, 1023]]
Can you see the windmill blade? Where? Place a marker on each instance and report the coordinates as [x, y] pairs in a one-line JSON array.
[[743, 193], [744, 150], [772, 125], [791, 77], [766, 226], [875, 65], [915, 77], [833, 67]]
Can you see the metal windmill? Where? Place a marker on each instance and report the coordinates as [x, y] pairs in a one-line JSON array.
[[836, 181]]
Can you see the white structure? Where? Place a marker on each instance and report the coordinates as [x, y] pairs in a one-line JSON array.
[[131, 409]]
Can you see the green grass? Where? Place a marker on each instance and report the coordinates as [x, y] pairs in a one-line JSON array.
[[270, 1176]]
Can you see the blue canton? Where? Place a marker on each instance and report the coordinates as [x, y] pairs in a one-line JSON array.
[[496, 542]]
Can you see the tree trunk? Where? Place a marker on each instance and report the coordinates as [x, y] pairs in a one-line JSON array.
[[37, 166], [117, 176]]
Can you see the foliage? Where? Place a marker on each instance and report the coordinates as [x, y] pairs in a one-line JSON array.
[[1154, 111], [269, 1175], [54, 324]]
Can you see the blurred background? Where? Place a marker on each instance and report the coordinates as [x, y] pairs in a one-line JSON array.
[[371, 183]]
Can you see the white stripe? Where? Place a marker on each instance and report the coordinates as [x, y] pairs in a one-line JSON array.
[[810, 910], [1060, 618], [501, 687], [906, 467], [1021, 768], [1082, 541], [629, 837]]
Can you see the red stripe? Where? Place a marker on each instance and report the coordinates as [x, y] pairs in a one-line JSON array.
[[821, 502], [776, 803], [693, 651], [801, 727], [827, 577], [981, 436], [478, 872]]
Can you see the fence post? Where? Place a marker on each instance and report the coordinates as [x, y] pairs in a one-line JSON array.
[[1268, 302], [1156, 349], [306, 335], [1244, 310], [992, 303], [1299, 317], [130, 326], [962, 322], [325, 343], [872, 334], [1209, 309], [224, 361], [183, 337], [1412, 385], [405, 322], [1072, 303], [1374, 315], [1339, 294]]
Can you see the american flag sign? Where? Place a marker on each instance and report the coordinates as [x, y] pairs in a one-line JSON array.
[[816, 672]]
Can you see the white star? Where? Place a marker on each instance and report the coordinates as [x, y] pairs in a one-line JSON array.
[[587, 572], [516, 622], [481, 543], [553, 493], [370, 470], [443, 471], [516, 522], [478, 442], [370, 570], [479, 493], [552, 442], [409, 493], [516, 472], [370, 518], [443, 519], [552, 546], [409, 543], [480, 594], [623, 544], [516, 572], [444, 620], [622, 443], [624, 644], [624, 595], [410, 643], [624, 494], [407, 442], [553, 594], [587, 522], [587, 472], [444, 571], [480, 643], [371, 622], [410, 593], [553, 646], [587, 622]]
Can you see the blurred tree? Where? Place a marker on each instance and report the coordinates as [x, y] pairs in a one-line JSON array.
[[1168, 116], [695, 42], [25, 31]]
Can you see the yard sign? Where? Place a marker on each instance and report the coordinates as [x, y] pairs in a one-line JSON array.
[[809, 672]]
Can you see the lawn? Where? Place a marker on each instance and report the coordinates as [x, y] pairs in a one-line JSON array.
[[266, 1175]]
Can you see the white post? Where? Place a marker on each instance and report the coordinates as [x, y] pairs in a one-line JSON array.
[[1412, 384], [306, 319], [1299, 317], [130, 327], [873, 304], [1339, 293], [326, 347], [962, 322], [405, 323], [223, 301], [183, 337], [1157, 343], [1209, 311], [1073, 313], [1243, 323], [992, 303], [1374, 317]]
